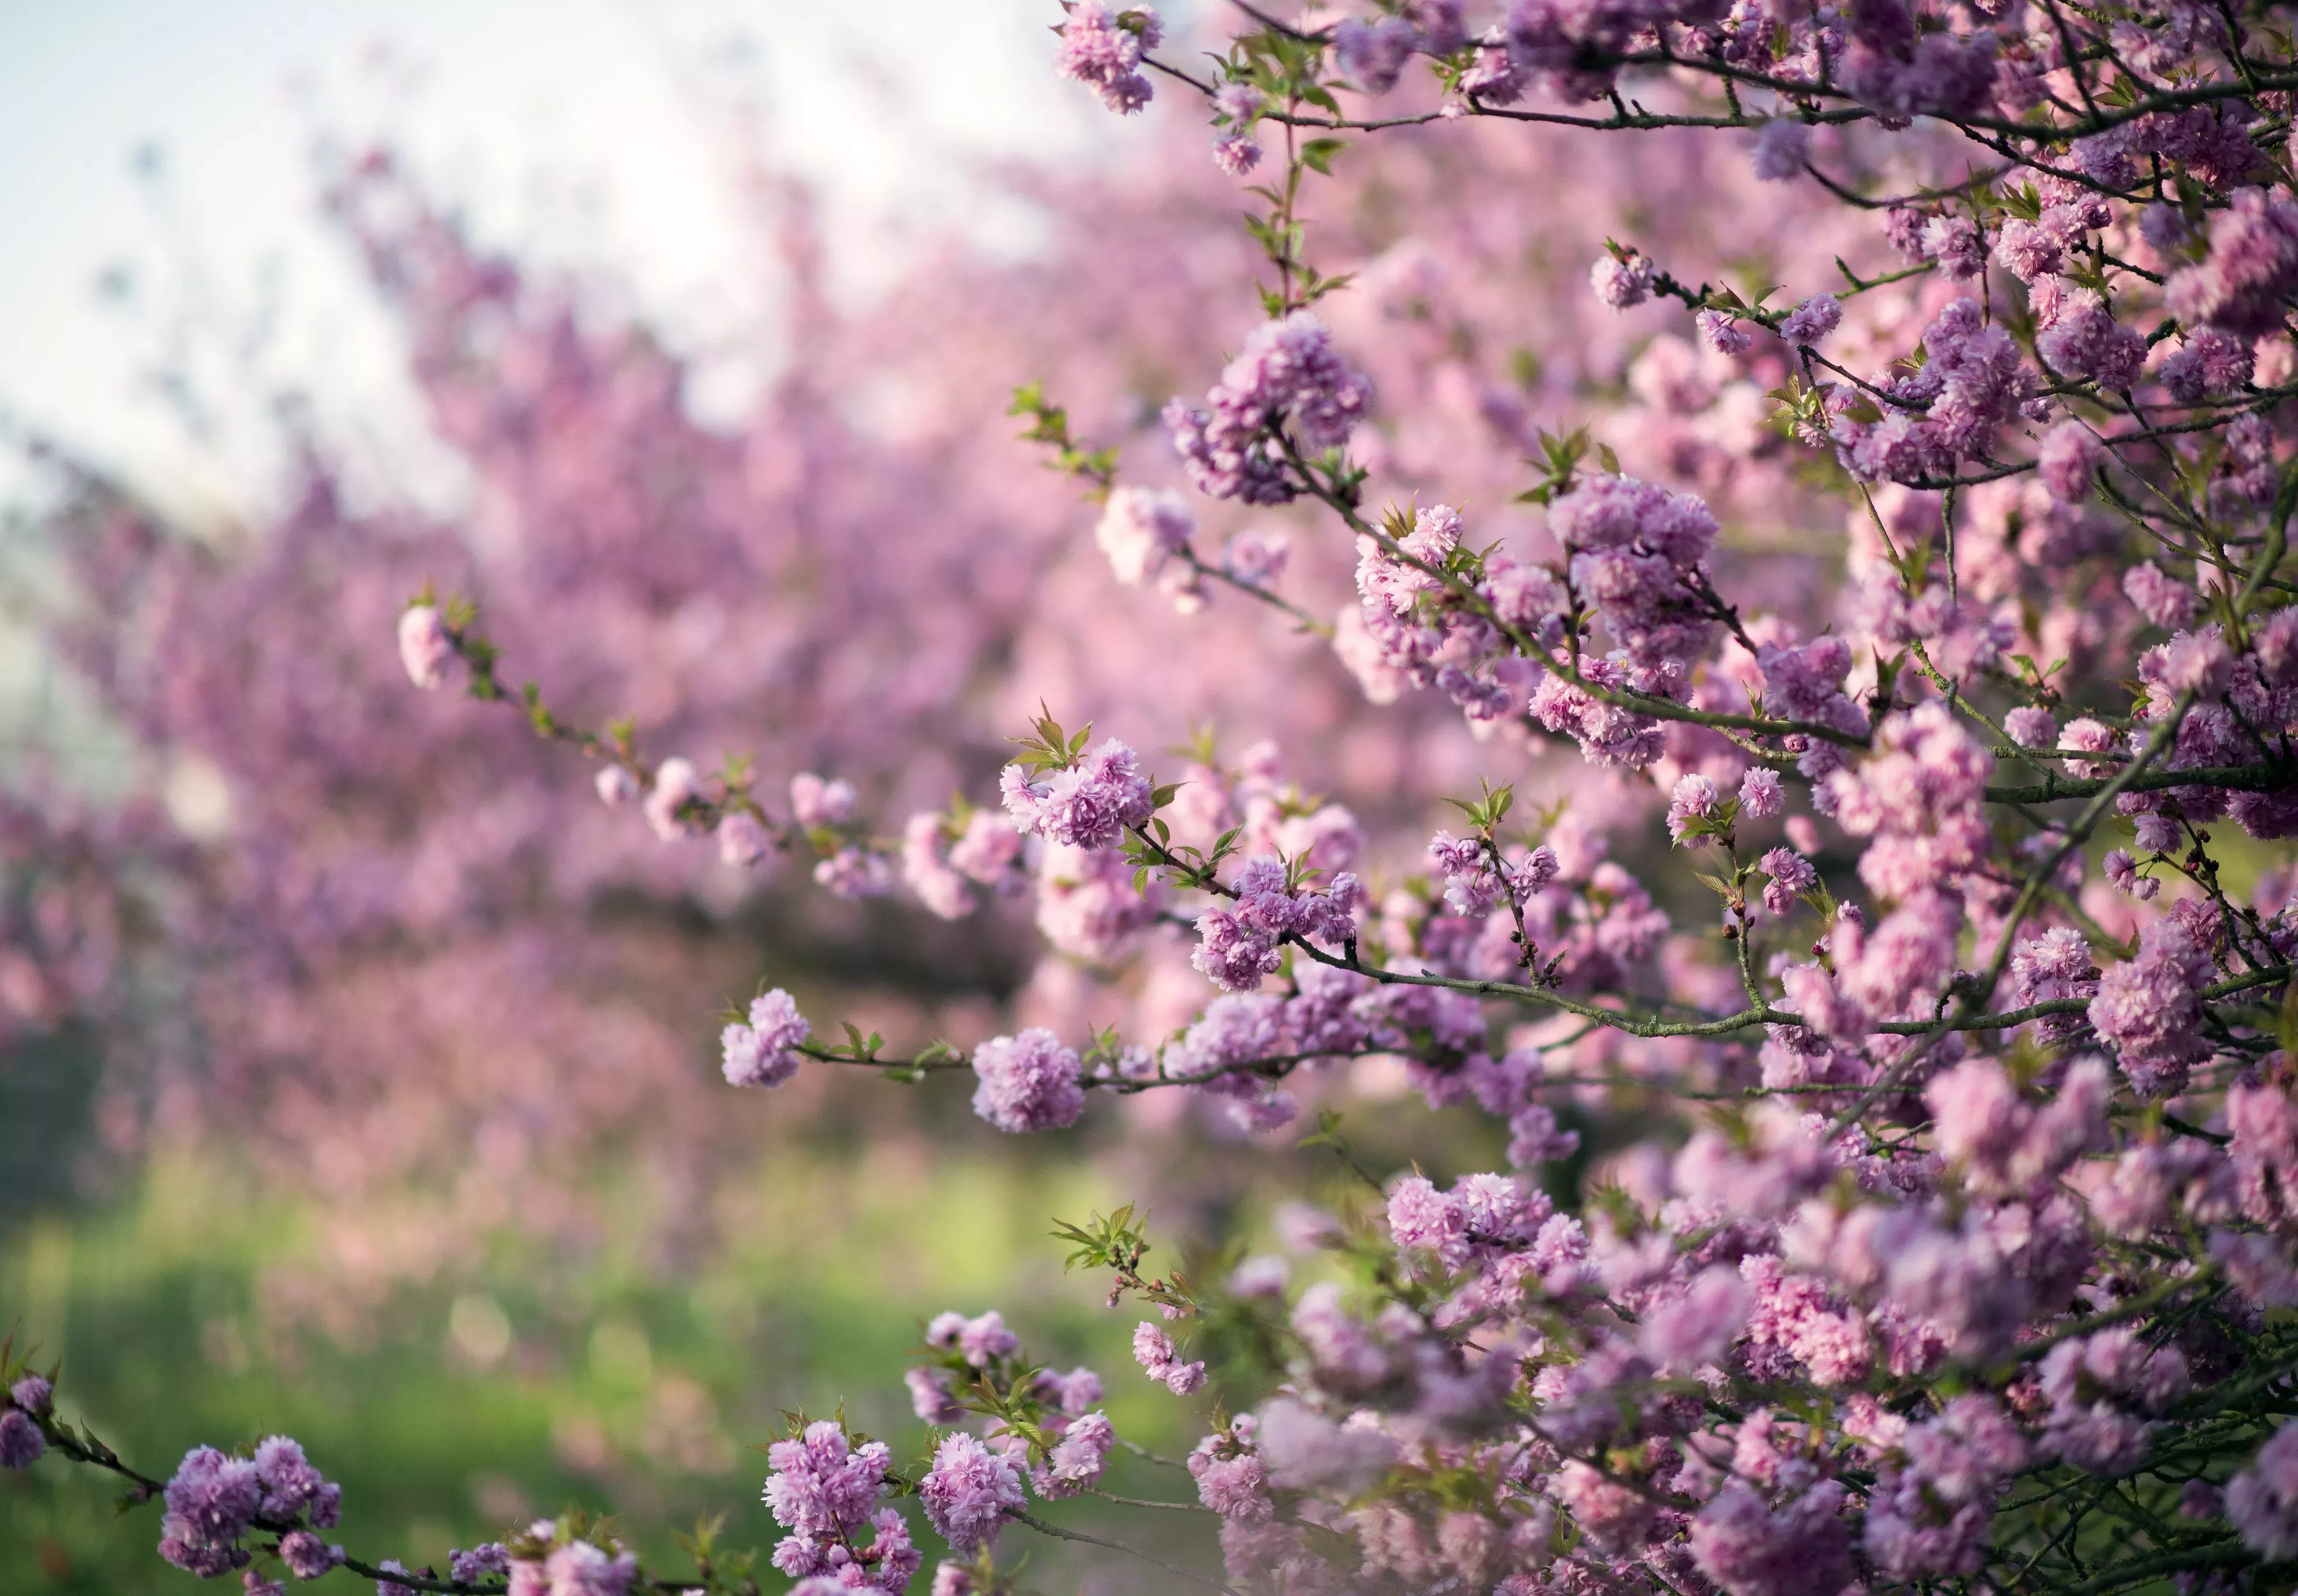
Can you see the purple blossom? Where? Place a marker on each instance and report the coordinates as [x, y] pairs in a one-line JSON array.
[[1073, 1393], [2164, 226], [1102, 49], [1232, 1478], [1143, 531], [856, 872], [931, 1397], [969, 1493], [1235, 152], [1692, 800], [2208, 363], [2262, 1499], [1087, 905], [1257, 559], [1935, 74], [987, 849], [1783, 148], [1751, 1549], [33, 1394], [765, 1053], [1932, 1516], [307, 1556], [823, 1490], [1812, 321], [2251, 267], [1372, 54], [290, 1483], [2080, 338], [424, 646], [1088, 805], [2091, 1383], [2004, 1146], [580, 1568], [1287, 374], [22, 1443], [2031, 727], [742, 840], [2067, 458], [1617, 1517], [2264, 1122], [2089, 736], [1159, 1359], [2121, 872], [1955, 243], [1723, 335], [2165, 601], [1232, 954], [816, 802], [1694, 1328], [676, 785], [984, 1339], [211, 1502], [1972, 383], [2029, 251], [926, 870], [1423, 1219], [2195, 662], [1622, 284], [1076, 1459], [1027, 1082], [1640, 552], [894, 1555], [479, 1562], [1761, 795]]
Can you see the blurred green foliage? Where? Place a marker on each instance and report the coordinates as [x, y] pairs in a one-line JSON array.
[[621, 1381]]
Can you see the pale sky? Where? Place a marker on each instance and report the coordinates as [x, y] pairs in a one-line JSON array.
[[588, 132]]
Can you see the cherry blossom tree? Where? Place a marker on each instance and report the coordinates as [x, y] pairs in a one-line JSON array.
[[1920, 580]]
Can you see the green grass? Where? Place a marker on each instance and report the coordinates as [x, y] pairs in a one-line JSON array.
[[628, 1381]]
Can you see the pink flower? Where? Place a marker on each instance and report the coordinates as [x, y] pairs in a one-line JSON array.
[[1102, 49], [1142, 531], [1812, 321], [1723, 335], [1760, 796], [1694, 800], [1782, 146], [742, 841], [1088, 805], [424, 646], [2067, 458], [676, 785], [1027, 1082], [969, 1493], [764, 1053], [815, 802]]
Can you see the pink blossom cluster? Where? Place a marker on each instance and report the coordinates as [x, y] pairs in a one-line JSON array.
[[1288, 377], [215, 1501], [826, 1492], [1103, 48]]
